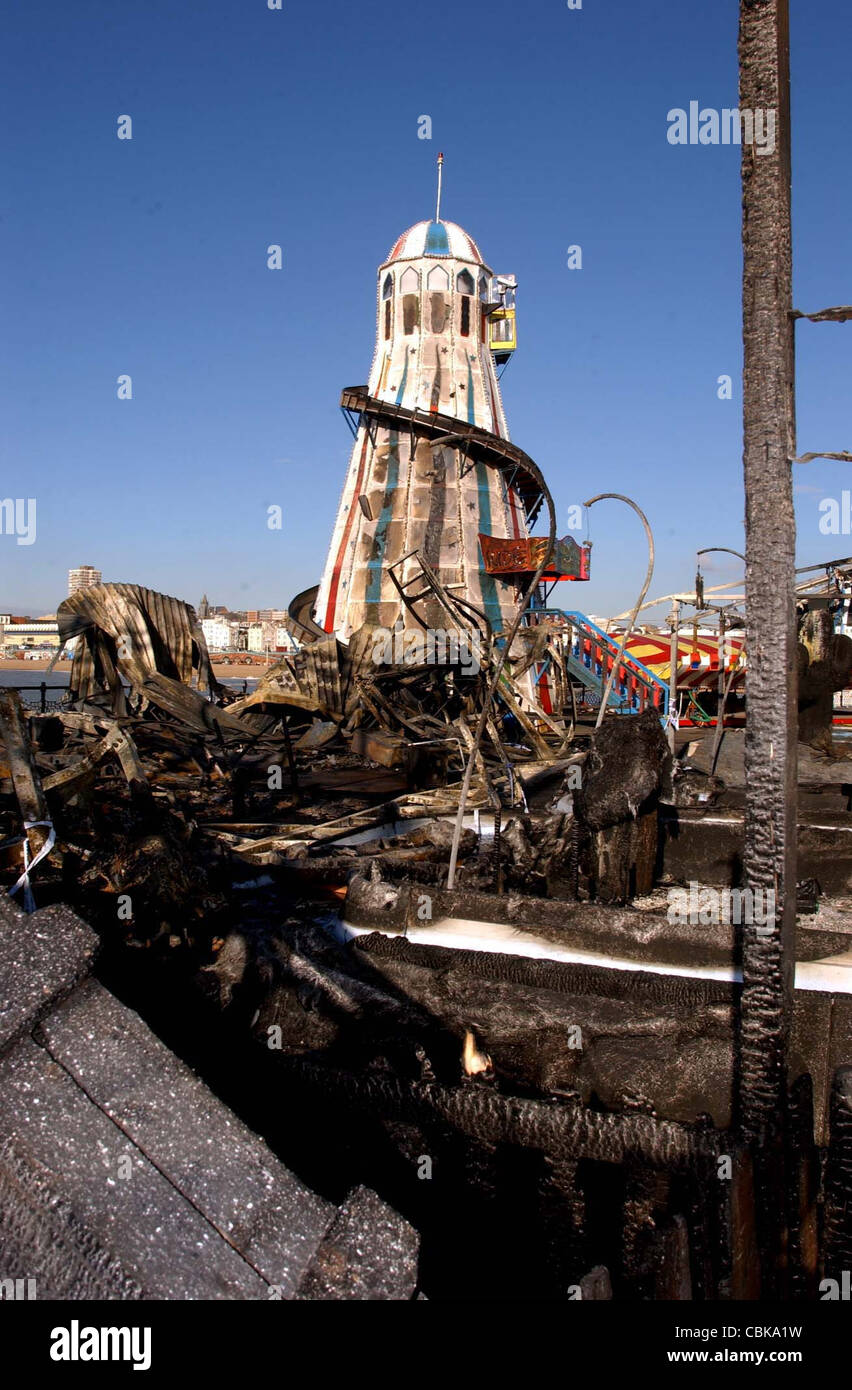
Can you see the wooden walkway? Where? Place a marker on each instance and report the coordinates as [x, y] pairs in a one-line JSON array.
[[123, 1177]]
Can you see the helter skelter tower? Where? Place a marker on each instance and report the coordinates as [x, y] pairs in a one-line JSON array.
[[433, 476], [417, 484]]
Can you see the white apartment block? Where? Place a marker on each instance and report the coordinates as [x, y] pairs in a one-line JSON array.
[[220, 636], [82, 578]]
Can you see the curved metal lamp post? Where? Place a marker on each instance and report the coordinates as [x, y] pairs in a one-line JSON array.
[[619, 497], [709, 549]]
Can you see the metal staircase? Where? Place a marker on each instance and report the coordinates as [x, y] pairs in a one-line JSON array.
[[589, 653]]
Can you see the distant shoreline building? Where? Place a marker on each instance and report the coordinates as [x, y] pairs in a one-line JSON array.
[[83, 577], [219, 634], [269, 636], [23, 634]]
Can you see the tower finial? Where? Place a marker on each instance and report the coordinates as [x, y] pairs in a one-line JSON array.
[[440, 169]]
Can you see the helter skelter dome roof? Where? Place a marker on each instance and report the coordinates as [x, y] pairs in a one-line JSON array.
[[435, 239]]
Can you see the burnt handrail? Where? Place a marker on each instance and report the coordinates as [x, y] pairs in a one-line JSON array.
[[527, 480]]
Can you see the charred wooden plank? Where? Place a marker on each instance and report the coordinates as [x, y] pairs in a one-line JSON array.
[[118, 742], [769, 445], [25, 776], [538, 743], [838, 1195], [192, 709]]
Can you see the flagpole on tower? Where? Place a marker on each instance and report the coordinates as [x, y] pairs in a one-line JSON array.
[[440, 171]]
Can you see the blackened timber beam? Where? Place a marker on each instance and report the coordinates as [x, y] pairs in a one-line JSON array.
[[769, 444], [838, 1179], [770, 748], [568, 1131], [22, 767]]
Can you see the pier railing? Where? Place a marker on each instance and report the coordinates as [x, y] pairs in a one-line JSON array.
[[40, 690], [36, 695]]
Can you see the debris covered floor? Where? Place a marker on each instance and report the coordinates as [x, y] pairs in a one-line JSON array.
[[535, 1069]]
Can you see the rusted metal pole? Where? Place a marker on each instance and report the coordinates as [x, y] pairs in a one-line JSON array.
[[770, 745], [486, 710], [674, 662]]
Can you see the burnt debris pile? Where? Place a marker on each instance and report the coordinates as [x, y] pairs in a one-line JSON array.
[[152, 788], [538, 1065]]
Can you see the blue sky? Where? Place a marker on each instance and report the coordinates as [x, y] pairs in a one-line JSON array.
[[299, 127]]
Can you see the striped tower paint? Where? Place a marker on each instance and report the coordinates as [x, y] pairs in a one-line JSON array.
[[431, 355]]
